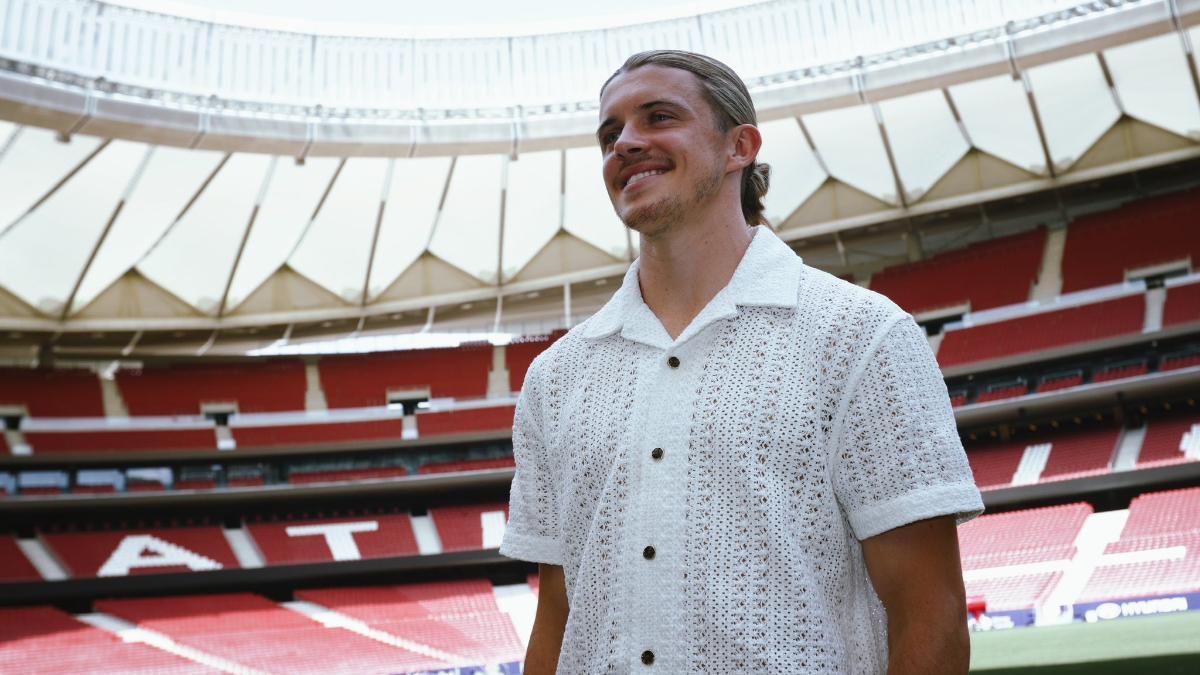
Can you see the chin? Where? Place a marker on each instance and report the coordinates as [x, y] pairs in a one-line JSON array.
[[652, 219]]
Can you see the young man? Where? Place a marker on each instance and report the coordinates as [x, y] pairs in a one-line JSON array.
[[740, 464]]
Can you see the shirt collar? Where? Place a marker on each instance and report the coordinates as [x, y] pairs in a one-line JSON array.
[[767, 276]]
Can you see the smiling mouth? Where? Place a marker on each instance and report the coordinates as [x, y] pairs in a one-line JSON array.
[[642, 175]]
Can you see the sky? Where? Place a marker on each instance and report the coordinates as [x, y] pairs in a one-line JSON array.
[[449, 17]]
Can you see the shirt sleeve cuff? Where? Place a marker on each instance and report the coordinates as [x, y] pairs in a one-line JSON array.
[[530, 547], [962, 500]]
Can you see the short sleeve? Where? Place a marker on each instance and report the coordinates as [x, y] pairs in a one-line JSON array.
[[532, 533], [897, 457]]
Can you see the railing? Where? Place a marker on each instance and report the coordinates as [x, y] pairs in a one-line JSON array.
[[194, 58]]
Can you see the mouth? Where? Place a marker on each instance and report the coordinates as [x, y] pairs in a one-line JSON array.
[[641, 176]]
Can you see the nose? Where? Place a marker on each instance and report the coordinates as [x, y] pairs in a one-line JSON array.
[[630, 142]]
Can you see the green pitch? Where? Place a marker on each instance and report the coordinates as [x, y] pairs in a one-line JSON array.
[[1158, 645]]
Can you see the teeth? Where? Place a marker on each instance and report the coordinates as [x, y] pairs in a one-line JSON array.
[[644, 174]]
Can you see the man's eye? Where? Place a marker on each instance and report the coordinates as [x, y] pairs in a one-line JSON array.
[[659, 117], [610, 138]]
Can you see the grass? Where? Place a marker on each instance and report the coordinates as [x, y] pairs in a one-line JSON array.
[[1162, 645]]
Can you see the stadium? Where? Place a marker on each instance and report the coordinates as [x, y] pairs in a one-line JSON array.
[[270, 284]]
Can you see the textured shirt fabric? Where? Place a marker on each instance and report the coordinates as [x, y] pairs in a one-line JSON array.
[[795, 416]]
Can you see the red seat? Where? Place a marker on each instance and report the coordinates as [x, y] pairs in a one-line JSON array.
[[1165, 436], [124, 440], [461, 527], [376, 536], [363, 380], [988, 274], [313, 434], [496, 418], [14, 566], [469, 465], [1183, 304], [45, 640], [1038, 332], [67, 392], [257, 633], [1100, 247], [182, 389], [153, 551]]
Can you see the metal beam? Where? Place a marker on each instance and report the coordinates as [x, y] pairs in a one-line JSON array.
[[237, 258]]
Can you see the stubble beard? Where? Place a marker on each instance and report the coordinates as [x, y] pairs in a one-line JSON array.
[[660, 217]]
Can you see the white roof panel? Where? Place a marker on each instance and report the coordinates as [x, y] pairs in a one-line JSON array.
[[471, 213], [36, 160], [1075, 105], [795, 171], [412, 207], [996, 114], [45, 253], [587, 211], [171, 178], [532, 207], [335, 248], [925, 139], [194, 259], [1152, 79], [289, 202], [849, 142]]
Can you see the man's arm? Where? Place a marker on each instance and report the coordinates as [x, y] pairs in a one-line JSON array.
[[917, 574], [545, 641]]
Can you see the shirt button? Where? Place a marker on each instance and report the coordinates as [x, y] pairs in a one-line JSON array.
[[656, 453], [647, 657], [648, 553], [673, 362]]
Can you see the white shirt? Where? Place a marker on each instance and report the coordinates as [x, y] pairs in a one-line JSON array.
[[797, 415]]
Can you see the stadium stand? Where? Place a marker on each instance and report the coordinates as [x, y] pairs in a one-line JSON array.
[[312, 434], [339, 475], [1164, 528], [149, 551], [1120, 372], [1002, 392], [1101, 247], [988, 274], [257, 633], [36, 640], [1046, 330], [121, 440], [1176, 361], [461, 528], [495, 418], [4, 449], [1183, 305], [293, 542], [363, 380], [995, 464], [1060, 381], [458, 617], [1167, 436], [520, 354], [468, 465], [14, 566], [181, 389], [1079, 453], [46, 392], [1018, 538]]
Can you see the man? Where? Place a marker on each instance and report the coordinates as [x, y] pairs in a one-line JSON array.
[[740, 464]]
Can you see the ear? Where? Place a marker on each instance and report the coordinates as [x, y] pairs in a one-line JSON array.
[[746, 142]]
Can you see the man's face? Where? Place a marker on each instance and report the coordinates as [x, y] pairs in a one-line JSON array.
[[662, 149]]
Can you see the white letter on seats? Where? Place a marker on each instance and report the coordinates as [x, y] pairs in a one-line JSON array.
[[144, 550], [338, 536]]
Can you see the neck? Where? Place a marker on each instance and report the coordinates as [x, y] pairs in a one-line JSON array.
[[683, 267]]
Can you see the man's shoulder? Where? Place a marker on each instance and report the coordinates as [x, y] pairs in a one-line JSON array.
[[553, 357], [828, 300]]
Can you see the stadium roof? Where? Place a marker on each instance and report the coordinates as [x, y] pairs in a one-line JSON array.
[[125, 207]]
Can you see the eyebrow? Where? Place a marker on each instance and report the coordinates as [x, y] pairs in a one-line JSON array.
[[645, 106]]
